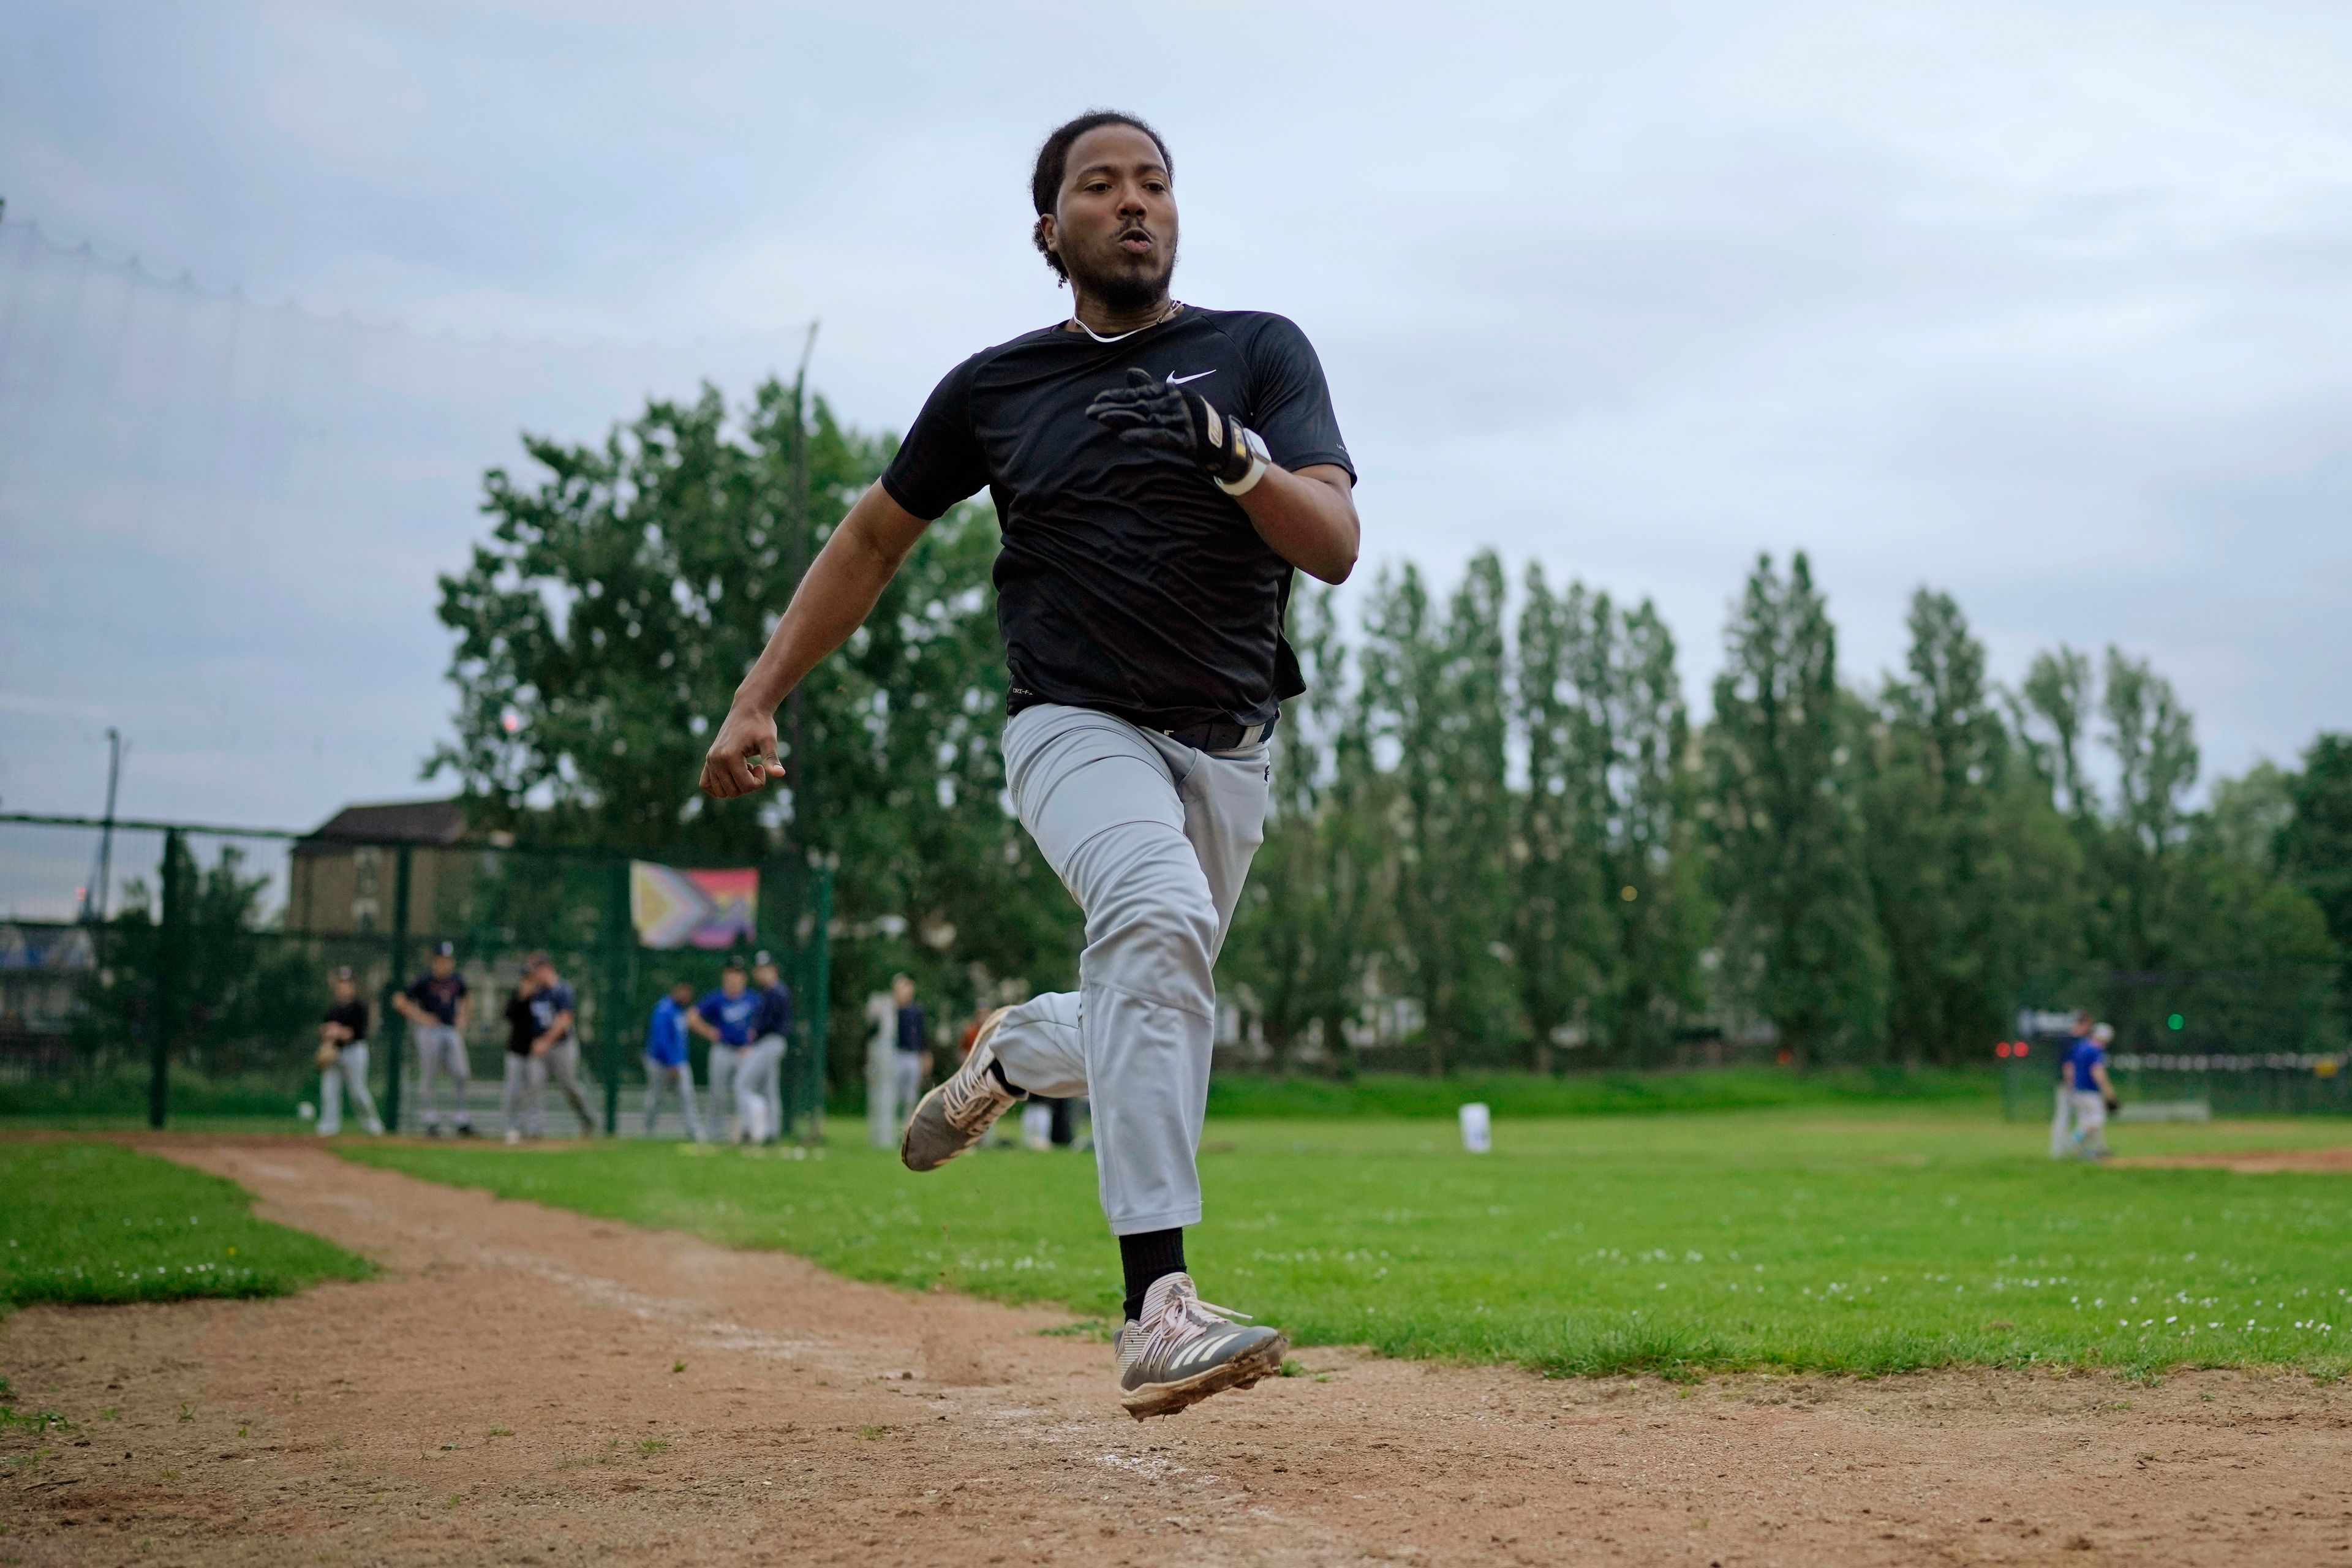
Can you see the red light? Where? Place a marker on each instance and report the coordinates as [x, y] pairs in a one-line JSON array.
[[2001, 1049], [2022, 1048]]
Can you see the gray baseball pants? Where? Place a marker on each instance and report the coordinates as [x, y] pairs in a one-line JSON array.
[[723, 1086], [759, 1089], [441, 1052], [562, 1060], [679, 1078], [1153, 839], [349, 1071], [526, 1081]]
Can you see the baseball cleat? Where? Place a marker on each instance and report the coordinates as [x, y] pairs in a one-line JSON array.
[[1183, 1349], [958, 1113]]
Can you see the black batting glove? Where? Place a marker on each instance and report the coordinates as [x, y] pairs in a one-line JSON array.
[[1149, 412]]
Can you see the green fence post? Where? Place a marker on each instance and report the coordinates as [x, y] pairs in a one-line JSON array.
[[615, 982], [820, 1005], [169, 958], [395, 1028]]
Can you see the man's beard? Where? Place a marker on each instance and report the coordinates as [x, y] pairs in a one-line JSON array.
[[1120, 288]]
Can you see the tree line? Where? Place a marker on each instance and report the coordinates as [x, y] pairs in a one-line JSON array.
[[1500, 836]]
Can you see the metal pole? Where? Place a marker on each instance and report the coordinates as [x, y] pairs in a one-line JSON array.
[[820, 1000], [615, 982], [395, 1028], [100, 894], [169, 959], [802, 550]]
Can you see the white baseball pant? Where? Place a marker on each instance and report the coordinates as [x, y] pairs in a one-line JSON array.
[[349, 1071], [562, 1061], [759, 1089], [722, 1086], [525, 1088], [680, 1078], [441, 1052], [1153, 840]]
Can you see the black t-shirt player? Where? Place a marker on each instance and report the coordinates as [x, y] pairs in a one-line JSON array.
[[1127, 583]]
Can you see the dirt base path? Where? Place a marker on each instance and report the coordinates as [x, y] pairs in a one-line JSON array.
[[2251, 1161], [510, 1391]]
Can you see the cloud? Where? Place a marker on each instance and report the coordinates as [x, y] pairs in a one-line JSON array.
[[2041, 305]]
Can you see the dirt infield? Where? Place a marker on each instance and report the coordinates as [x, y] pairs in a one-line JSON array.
[[2254, 1162], [524, 1386]]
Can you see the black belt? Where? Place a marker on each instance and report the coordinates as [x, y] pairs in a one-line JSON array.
[[1217, 735]]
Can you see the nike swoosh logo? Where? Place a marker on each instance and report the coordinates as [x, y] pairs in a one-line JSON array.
[[1181, 380]]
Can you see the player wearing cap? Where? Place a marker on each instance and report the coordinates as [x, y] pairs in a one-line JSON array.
[[343, 1057], [1161, 472], [725, 1018], [666, 1058], [758, 1072], [556, 1011], [436, 1006]]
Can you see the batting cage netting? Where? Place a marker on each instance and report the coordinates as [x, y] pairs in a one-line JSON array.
[[179, 972]]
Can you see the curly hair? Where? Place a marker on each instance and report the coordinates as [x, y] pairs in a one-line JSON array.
[[1053, 162]]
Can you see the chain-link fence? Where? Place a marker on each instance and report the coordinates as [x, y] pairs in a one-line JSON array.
[[173, 971], [2235, 1042]]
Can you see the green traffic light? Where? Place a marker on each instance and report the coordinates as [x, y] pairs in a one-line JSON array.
[[2176, 1021]]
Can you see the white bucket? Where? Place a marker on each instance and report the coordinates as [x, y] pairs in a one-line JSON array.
[[1478, 1129]]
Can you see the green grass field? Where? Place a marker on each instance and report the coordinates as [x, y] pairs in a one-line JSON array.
[[92, 1223], [1864, 1240]]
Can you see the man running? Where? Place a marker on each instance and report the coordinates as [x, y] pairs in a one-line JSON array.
[[435, 1005], [1159, 471]]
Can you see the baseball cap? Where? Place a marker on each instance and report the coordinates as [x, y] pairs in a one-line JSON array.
[[761, 957], [533, 961], [735, 963], [445, 950], [343, 972]]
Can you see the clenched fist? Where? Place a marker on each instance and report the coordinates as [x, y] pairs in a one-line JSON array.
[[742, 755]]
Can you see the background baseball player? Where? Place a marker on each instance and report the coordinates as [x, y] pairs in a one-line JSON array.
[[436, 1007], [526, 1064], [1158, 472], [666, 1061], [725, 1018], [343, 1057], [759, 1071], [556, 1012], [910, 1054]]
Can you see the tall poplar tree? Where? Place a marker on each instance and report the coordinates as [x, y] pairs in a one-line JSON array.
[[1802, 944]]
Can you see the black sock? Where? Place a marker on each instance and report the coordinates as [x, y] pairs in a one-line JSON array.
[[996, 1072], [1146, 1257]]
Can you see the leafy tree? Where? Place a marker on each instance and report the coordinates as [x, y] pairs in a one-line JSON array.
[[1803, 946], [1938, 862], [624, 588], [1436, 690], [2248, 814], [2315, 846], [1304, 932]]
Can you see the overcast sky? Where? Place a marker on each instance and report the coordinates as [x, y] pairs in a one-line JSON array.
[[2043, 305]]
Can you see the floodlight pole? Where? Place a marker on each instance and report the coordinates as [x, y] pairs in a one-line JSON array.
[[801, 546]]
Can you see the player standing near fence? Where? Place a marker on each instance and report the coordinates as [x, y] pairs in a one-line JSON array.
[[1159, 471], [556, 1011], [435, 1005], [758, 1072], [666, 1061], [343, 1058], [725, 1018], [526, 1070]]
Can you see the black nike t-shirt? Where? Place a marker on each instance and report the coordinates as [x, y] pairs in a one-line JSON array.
[[1127, 582]]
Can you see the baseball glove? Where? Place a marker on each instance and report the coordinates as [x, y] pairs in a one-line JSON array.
[[324, 1058], [2114, 1105]]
